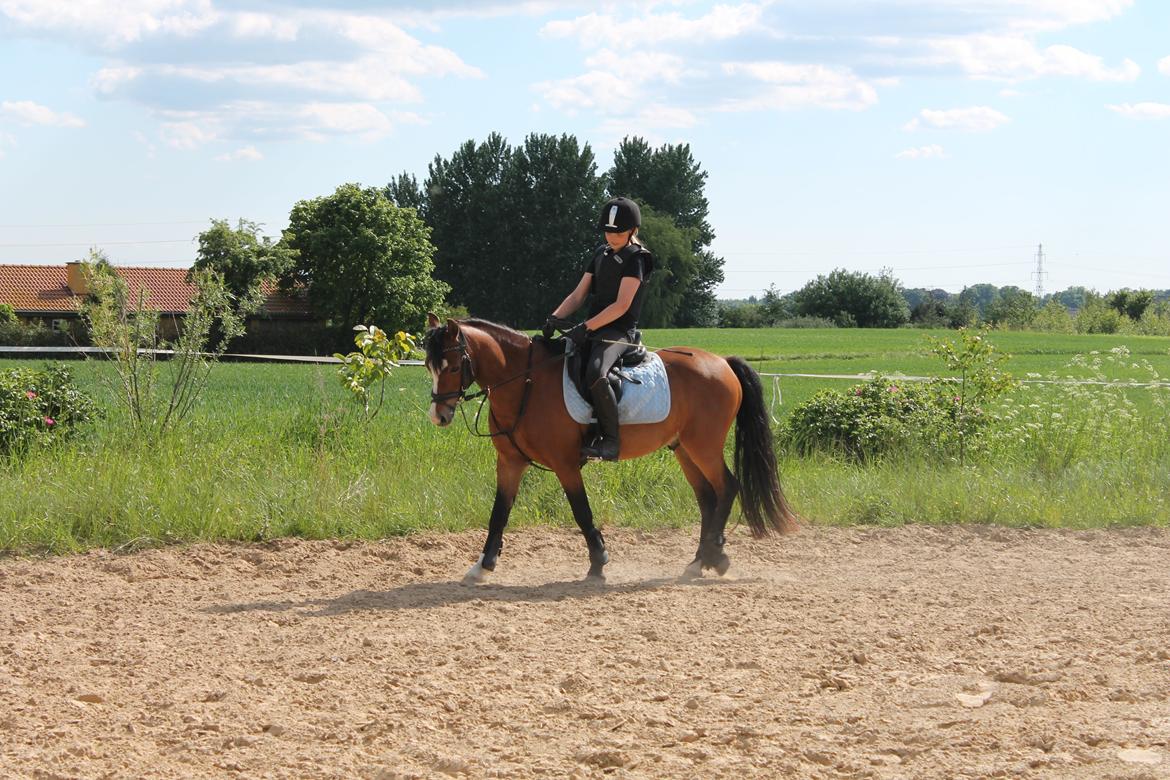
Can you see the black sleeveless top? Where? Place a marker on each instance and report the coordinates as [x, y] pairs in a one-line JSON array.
[[609, 268]]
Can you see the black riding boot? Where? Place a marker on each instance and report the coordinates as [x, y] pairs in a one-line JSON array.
[[606, 445]]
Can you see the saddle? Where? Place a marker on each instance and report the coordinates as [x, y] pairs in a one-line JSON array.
[[633, 356]]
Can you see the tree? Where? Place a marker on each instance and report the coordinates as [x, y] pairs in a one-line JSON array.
[[698, 308], [242, 258], [980, 296], [1012, 308], [552, 195], [1073, 298], [1053, 318], [1131, 303], [675, 265], [404, 192], [363, 260], [854, 299], [668, 180], [775, 308], [514, 227]]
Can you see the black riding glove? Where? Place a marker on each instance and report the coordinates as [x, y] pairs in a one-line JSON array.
[[578, 334], [550, 328]]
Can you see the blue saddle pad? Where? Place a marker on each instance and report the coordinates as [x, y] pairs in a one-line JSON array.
[[648, 402]]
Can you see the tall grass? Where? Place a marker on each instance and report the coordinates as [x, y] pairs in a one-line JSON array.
[[279, 450]]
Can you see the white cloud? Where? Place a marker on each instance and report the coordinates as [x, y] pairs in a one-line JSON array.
[[790, 86], [1164, 66], [1015, 58], [977, 119], [1142, 110], [721, 23], [237, 69], [29, 113], [112, 24], [615, 84], [268, 121], [243, 153], [189, 134], [931, 152]]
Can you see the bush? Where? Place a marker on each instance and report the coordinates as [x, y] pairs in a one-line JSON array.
[[7, 315], [877, 418], [38, 407], [16, 334]]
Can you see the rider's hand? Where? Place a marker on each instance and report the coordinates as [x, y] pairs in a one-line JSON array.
[[578, 334], [550, 328]]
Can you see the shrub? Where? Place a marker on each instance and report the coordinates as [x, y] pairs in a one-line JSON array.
[[7, 314], [17, 334], [38, 407], [879, 417]]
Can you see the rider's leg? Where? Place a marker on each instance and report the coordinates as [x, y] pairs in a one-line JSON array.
[[607, 351]]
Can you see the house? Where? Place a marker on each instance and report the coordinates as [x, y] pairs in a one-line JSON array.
[[51, 295]]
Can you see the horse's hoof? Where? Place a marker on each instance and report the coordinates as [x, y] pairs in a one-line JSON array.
[[693, 571], [722, 565], [596, 574], [477, 574]]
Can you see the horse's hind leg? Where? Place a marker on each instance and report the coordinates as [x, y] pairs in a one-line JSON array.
[[710, 463], [575, 492], [705, 496], [508, 474]]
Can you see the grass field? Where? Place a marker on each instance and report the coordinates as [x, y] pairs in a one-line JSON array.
[[278, 450]]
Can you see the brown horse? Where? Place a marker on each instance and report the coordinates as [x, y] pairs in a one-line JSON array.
[[522, 380]]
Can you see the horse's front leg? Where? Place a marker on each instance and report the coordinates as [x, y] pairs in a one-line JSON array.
[[574, 487], [508, 474]]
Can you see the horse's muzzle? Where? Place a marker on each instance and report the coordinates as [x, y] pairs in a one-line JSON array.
[[441, 415]]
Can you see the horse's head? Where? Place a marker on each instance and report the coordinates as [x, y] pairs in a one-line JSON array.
[[450, 367]]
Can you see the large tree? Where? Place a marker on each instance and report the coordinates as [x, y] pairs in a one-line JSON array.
[[854, 299], [675, 264], [514, 226], [670, 181], [242, 257], [363, 259]]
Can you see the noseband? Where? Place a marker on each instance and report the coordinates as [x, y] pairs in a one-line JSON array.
[[465, 381]]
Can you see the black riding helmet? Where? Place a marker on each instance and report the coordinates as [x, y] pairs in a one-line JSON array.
[[619, 215]]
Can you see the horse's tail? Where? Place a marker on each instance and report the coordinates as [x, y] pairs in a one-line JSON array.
[[762, 500]]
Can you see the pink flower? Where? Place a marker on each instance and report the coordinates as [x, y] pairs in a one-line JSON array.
[[29, 394], [956, 399], [857, 391], [893, 388], [49, 421]]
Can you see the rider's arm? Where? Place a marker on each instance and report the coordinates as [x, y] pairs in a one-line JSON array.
[[625, 297], [576, 298]]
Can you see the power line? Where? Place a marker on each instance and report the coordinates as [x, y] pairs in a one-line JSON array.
[[874, 252], [892, 268]]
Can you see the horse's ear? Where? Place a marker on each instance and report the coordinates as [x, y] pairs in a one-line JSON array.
[[452, 327], [432, 320]]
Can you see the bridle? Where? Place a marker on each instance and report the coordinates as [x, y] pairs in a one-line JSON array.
[[466, 380]]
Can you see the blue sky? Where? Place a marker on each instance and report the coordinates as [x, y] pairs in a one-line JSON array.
[[944, 139]]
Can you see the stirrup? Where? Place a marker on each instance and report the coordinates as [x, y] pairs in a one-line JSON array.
[[602, 448]]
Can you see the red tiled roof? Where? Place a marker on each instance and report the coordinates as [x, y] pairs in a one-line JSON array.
[[45, 288]]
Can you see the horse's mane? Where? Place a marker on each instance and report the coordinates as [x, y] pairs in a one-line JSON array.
[[433, 341], [502, 332]]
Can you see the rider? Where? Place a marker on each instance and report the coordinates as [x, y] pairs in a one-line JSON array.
[[615, 283]]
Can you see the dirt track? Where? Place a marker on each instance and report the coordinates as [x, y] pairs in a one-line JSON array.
[[916, 652]]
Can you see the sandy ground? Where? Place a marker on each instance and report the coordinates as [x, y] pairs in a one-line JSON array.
[[907, 653]]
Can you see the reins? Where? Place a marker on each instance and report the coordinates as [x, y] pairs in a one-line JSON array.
[[484, 394]]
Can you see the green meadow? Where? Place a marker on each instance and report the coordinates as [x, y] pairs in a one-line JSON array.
[[279, 450]]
